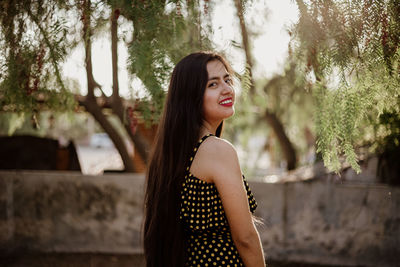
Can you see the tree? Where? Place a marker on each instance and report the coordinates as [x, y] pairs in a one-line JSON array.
[[269, 114], [350, 55], [33, 44], [155, 28]]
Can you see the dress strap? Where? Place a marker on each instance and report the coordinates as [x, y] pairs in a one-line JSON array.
[[197, 148]]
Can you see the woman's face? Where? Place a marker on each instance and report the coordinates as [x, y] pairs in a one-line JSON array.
[[219, 95]]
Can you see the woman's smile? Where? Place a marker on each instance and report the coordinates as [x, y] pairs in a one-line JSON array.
[[219, 95], [227, 102]]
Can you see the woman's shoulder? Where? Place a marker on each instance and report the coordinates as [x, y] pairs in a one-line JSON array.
[[213, 156], [217, 146], [219, 160], [219, 152]]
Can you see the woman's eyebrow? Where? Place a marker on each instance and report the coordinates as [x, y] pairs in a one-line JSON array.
[[216, 78]]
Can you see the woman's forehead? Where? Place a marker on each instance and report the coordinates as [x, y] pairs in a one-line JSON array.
[[216, 68]]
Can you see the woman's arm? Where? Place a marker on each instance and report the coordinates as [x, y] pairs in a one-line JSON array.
[[223, 170]]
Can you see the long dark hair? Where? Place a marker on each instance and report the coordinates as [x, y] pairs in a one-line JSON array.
[[178, 132]]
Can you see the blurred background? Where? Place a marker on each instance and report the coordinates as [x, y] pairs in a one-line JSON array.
[[317, 123]]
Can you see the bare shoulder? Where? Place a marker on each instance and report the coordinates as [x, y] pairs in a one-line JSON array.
[[214, 156], [218, 159], [217, 147]]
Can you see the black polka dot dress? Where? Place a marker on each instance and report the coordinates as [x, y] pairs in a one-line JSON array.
[[209, 237]]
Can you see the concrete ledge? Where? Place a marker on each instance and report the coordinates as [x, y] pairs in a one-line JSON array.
[[70, 212], [323, 222], [73, 259], [315, 221]]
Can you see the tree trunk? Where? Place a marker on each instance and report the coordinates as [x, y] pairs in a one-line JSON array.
[[90, 101], [285, 144], [288, 150], [245, 42], [141, 144], [92, 107]]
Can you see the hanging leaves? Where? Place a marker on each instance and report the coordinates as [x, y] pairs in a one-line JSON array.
[[34, 45], [352, 50]]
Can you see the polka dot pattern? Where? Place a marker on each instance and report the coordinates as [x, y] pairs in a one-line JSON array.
[[210, 242]]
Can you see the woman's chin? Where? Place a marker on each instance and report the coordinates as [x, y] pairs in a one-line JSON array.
[[231, 113]]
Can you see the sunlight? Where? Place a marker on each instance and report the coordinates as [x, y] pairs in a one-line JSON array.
[[271, 18]]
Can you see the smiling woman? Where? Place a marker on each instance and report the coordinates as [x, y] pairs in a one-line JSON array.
[[219, 95], [198, 205]]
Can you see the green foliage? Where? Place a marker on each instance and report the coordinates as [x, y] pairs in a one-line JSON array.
[[282, 95], [36, 36], [16, 121], [390, 127], [245, 81], [34, 44], [351, 56], [164, 32], [336, 124], [57, 125]]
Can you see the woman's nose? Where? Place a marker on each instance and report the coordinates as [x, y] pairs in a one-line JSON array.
[[227, 88]]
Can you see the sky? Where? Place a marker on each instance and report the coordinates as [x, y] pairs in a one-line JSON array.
[[269, 19]]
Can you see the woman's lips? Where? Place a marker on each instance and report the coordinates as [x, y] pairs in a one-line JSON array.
[[227, 102]]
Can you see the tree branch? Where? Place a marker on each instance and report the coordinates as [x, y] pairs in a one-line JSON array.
[[90, 101], [47, 41], [271, 118], [245, 42], [141, 144]]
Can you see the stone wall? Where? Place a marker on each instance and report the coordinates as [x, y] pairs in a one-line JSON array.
[[315, 221], [70, 212], [327, 223]]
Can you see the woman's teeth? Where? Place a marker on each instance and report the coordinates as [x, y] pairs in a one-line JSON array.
[[226, 101]]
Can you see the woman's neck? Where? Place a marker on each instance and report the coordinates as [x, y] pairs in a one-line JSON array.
[[208, 128]]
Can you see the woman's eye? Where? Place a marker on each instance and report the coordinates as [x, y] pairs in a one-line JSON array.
[[228, 81], [212, 84]]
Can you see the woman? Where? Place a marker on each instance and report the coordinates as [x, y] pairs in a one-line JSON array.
[[197, 204]]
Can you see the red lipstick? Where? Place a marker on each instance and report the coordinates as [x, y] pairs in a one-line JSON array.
[[227, 102]]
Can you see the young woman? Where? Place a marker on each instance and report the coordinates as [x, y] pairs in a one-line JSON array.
[[198, 207]]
